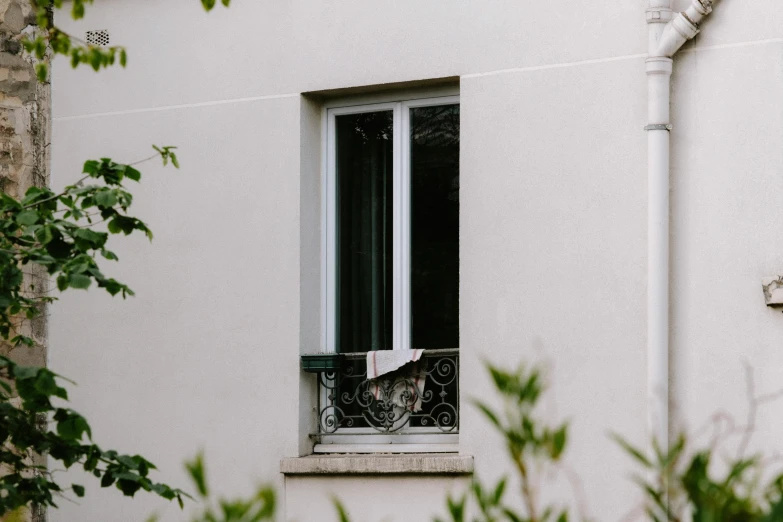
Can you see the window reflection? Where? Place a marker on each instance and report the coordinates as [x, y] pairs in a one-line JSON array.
[[435, 226]]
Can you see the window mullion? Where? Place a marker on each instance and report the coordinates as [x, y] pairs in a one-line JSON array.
[[405, 224], [397, 199]]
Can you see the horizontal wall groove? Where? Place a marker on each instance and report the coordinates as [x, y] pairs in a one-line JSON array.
[[498, 72], [177, 107]]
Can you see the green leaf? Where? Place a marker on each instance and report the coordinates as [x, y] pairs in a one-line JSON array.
[[105, 198], [44, 235], [559, 441], [491, 415], [80, 281], [72, 426], [79, 490], [128, 487], [341, 512], [91, 167], [128, 461], [41, 71], [498, 493], [25, 372], [108, 254], [456, 508], [132, 173], [77, 11], [62, 283], [27, 217], [114, 227], [195, 469], [107, 479], [513, 517], [635, 453]]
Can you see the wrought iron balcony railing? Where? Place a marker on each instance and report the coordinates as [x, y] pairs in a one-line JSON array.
[[425, 401]]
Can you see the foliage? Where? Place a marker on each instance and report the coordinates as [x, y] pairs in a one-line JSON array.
[[260, 506], [56, 232], [50, 37], [531, 445], [60, 236], [682, 488], [695, 488], [59, 232], [23, 428], [678, 485]]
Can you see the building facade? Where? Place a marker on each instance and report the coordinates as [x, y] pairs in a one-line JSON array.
[[524, 124]]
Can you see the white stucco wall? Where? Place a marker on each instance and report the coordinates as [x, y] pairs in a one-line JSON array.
[[553, 227], [192, 362]]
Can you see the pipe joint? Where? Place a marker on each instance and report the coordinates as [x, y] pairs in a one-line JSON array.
[[676, 33], [686, 26], [659, 65], [683, 27]]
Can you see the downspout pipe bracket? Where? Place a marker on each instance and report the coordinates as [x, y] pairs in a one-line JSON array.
[[659, 126], [659, 15]]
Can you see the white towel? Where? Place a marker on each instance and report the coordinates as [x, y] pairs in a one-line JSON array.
[[381, 362]]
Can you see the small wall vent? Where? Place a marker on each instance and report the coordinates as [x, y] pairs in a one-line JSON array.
[[99, 37]]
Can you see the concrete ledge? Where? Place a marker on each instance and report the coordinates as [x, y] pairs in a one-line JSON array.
[[426, 464]]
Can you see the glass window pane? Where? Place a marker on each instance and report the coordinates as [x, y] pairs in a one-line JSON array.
[[435, 226], [364, 231]]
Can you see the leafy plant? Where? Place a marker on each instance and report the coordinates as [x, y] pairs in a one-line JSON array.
[[260, 506], [531, 444], [695, 488], [677, 487], [50, 38], [25, 429], [64, 233], [61, 236]]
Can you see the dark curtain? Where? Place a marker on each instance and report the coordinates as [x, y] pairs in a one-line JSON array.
[[435, 226], [364, 231]]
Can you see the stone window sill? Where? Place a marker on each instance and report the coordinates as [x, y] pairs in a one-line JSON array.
[[421, 464]]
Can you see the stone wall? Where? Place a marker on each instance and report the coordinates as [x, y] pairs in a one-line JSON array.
[[25, 106]]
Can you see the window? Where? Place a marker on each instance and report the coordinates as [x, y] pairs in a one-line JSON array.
[[391, 242], [392, 237]]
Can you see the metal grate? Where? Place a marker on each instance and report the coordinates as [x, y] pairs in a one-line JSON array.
[[385, 406], [99, 37]]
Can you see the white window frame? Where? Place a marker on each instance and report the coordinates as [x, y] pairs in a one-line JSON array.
[[401, 212], [353, 440]]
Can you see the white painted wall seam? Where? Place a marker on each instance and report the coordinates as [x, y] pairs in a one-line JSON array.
[[596, 61], [177, 107]]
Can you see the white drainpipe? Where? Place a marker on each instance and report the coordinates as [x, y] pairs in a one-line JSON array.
[[667, 33]]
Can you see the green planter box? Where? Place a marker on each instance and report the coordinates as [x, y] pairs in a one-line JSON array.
[[321, 362]]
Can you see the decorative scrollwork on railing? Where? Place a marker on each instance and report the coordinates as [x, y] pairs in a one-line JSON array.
[[426, 397]]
